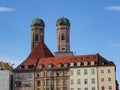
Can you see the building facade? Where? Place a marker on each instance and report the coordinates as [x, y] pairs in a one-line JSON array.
[[107, 79], [6, 76], [83, 78], [41, 70]]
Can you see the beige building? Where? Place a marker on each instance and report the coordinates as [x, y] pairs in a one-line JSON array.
[[106, 75], [106, 78], [83, 78]]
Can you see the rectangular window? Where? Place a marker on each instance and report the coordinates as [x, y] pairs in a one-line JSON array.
[[92, 71], [93, 88], [85, 63], [18, 84], [86, 88], [64, 73], [110, 88], [85, 81], [58, 88], [59, 64], [78, 72], [78, 63], [71, 64], [85, 72], [52, 82], [64, 88], [102, 71], [50, 65], [103, 88], [109, 79], [58, 73], [27, 84], [47, 89], [38, 74], [72, 81], [92, 63], [78, 81], [38, 83], [93, 81], [109, 71], [47, 82], [102, 79], [64, 82], [66, 64], [48, 73], [71, 72], [58, 82]]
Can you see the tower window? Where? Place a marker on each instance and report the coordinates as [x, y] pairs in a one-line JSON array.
[[62, 37], [36, 37]]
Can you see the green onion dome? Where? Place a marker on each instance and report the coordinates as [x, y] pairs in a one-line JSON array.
[[37, 22], [63, 21]]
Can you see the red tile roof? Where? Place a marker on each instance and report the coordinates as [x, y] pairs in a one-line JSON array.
[[82, 59], [40, 51], [68, 59], [41, 56]]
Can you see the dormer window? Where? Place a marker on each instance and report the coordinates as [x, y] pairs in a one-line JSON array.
[[85, 63], [59, 65], [102, 63], [92, 63], [22, 67], [40, 66], [72, 64], [30, 66], [78, 63], [50, 65], [66, 65]]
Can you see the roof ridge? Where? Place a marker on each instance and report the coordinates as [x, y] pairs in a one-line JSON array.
[[43, 49]]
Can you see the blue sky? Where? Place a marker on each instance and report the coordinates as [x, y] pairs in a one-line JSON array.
[[95, 27]]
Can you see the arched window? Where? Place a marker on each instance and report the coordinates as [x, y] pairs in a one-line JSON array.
[[36, 37], [62, 37]]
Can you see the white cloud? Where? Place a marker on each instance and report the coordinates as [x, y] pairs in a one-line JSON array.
[[113, 8], [5, 9]]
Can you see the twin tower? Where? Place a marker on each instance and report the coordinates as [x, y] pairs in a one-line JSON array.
[[63, 35]]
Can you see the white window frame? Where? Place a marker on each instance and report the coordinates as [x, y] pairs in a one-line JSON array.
[[92, 63], [78, 63], [72, 64], [85, 63]]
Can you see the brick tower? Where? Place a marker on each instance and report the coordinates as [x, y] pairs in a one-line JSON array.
[[37, 32], [63, 37]]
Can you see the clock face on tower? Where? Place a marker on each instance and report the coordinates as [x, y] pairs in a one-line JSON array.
[[63, 49]]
